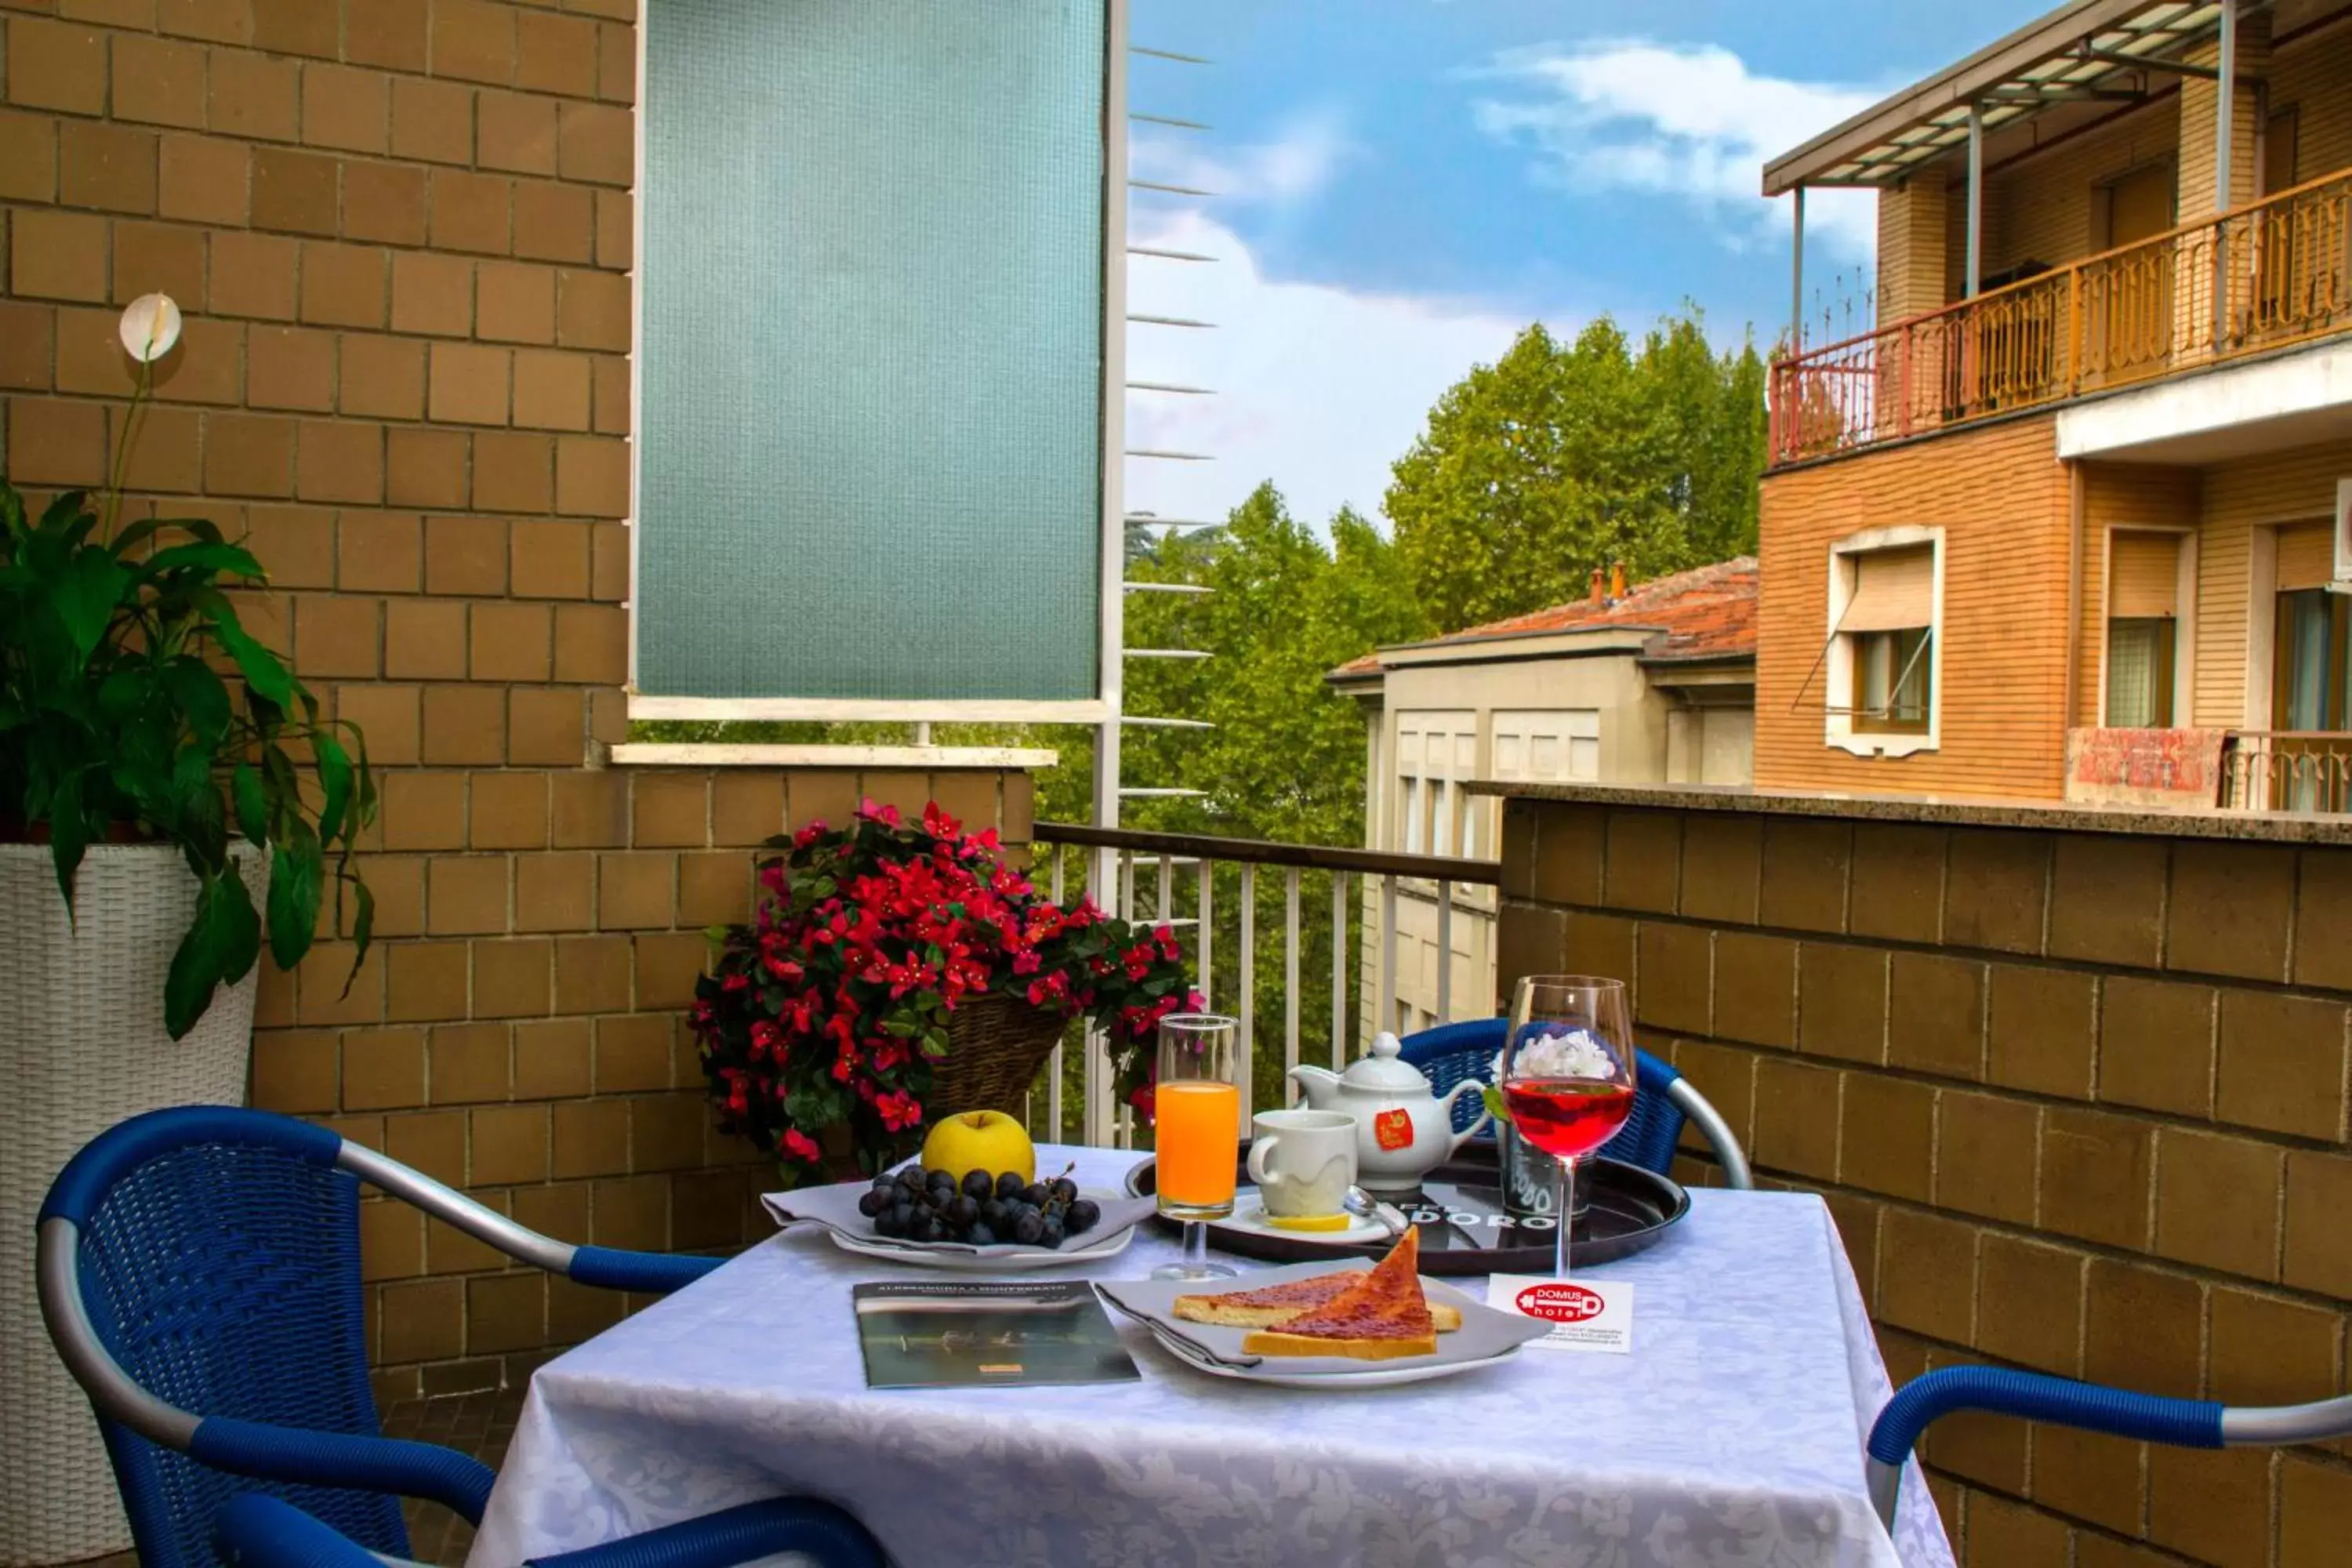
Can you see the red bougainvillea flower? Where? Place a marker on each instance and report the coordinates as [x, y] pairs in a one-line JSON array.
[[835, 1002]]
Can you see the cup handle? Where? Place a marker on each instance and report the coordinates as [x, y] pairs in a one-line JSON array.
[[1261, 1150]]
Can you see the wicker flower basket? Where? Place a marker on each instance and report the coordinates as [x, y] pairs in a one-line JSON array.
[[996, 1046], [82, 1046]]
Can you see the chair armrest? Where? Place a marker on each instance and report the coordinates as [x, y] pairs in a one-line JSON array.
[[256, 1530], [737, 1535], [2183, 1422], [655, 1273], [456, 1481]]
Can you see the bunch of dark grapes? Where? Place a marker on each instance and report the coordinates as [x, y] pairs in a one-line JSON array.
[[915, 1205]]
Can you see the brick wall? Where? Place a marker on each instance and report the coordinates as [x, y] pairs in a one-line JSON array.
[[401, 230], [2077, 1098]]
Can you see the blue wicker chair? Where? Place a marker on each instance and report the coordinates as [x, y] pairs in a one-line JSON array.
[[199, 1273], [2088, 1407], [1663, 1099]]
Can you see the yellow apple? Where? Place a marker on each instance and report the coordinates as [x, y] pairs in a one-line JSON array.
[[986, 1141]]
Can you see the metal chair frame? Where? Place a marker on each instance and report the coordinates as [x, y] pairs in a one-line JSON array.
[[2088, 1407], [1485, 1036], [280, 1534]]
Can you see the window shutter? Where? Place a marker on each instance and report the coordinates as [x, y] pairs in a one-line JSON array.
[[1892, 590], [2306, 556], [869, 435], [2142, 576]]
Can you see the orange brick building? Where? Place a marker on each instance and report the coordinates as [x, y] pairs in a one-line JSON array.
[[401, 231], [2064, 523]]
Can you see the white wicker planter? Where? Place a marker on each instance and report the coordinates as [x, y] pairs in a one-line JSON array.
[[82, 1046]]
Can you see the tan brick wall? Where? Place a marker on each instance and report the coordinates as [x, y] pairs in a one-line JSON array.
[[2077, 1101], [401, 230], [2000, 495], [1911, 261]]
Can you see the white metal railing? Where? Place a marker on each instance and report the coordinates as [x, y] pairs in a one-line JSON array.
[[1216, 911]]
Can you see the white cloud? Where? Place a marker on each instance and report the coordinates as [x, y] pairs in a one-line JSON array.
[[1292, 168], [1689, 123], [1320, 388]]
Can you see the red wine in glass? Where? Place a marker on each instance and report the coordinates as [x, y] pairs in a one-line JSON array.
[[1568, 1118]]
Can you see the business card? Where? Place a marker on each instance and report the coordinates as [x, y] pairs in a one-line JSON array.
[[1590, 1315]]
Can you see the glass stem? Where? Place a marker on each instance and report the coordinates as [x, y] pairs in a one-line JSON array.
[[1196, 1249], [1567, 1219]]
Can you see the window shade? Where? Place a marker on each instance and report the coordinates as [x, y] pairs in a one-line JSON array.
[[1892, 590], [2142, 576], [2306, 556], [870, 416]]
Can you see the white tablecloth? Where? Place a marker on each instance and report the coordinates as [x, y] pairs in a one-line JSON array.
[[1730, 1434]]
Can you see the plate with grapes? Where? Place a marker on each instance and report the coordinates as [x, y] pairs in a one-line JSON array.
[[929, 1220]]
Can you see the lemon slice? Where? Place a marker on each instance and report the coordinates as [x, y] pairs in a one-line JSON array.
[[1307, 1222]]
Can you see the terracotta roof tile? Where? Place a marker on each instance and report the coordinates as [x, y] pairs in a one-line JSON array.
[[1708, 611]]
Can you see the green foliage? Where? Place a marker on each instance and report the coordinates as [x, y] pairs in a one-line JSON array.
[[118, 719], [1557, 460]]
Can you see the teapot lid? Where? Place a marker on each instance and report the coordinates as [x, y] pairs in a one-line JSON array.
[[1382, 1071]]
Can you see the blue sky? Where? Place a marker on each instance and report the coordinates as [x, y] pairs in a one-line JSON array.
[[1405, 183]]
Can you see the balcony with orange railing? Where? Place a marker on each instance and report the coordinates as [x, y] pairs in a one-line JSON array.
[[2265, 276]]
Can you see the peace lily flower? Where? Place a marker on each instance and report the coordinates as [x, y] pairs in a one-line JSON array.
[[151, 326]]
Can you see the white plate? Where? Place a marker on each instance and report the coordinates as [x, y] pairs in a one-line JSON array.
[[957, 1262], [1486, 1336], [1249, 1215], [1373, 1376]]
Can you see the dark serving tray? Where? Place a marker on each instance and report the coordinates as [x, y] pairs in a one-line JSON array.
[[1462, 1227]]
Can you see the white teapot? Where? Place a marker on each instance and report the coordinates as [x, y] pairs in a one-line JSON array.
[[1404, 1129]]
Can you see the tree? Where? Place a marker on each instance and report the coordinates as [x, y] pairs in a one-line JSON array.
[[1555, 460]]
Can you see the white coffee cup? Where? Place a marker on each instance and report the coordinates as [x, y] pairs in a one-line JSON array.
[[1303, 1162]]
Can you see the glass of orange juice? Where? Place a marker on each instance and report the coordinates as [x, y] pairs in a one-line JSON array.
[[1197, 1129]]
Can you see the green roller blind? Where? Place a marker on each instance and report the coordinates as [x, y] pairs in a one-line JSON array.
[[870, 411]]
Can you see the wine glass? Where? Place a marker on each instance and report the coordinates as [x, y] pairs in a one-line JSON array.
[[1196, 1115], [1566, 1075]]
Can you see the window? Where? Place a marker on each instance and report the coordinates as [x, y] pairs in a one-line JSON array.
[[2310, 681], [871, 421], [1883, 658], [1891, 677], [1435, 751], [2142, 600]]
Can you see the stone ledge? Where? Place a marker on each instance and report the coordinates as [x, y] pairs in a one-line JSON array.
[[2247, 826]]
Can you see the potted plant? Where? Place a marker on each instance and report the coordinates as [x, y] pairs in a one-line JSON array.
[[170, 797], [894, 974]]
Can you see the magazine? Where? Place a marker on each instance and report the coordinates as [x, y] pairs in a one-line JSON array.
[[963, 1333]]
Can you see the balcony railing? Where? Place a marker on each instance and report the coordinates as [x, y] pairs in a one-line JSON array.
[[2265, 277], [1225, 898], [2287, 770]]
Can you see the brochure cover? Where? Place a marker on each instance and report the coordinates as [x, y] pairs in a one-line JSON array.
[[964, 1333]]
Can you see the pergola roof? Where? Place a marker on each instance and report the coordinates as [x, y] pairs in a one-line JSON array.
[[2085, 51]]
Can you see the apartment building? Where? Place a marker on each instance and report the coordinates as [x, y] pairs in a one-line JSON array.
[[1652, 683], [2071, 520]]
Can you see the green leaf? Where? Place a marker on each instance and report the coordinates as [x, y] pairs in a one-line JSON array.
[[68, 833], [211, 558], [63, 512], [1496, 1106], [224, 926], [363, 924], [335, 782], [260, 668], [296, 875], [252, 804], [85, 597], [201, 696]]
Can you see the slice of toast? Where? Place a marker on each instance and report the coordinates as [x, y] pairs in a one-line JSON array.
[[1275, 1305], [1382, 1317]]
